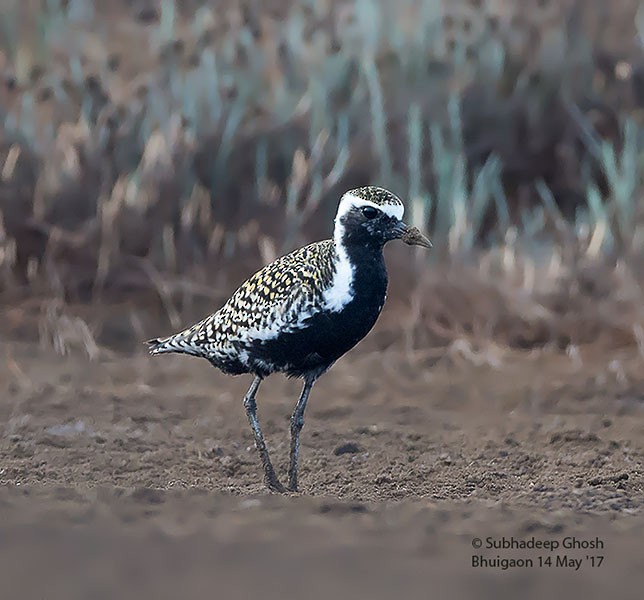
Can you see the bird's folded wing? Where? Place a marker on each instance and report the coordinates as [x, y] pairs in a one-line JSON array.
[[278, 299], [286, 313]]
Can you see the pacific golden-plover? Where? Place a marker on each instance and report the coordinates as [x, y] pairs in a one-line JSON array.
[[301, 313]]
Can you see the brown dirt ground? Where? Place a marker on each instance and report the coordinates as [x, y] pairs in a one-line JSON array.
[[136, 477]]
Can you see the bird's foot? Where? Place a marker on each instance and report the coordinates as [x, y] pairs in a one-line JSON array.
[[274, 484]]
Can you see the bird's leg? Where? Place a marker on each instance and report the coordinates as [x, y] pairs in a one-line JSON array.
[[270, 479], [297, 422]]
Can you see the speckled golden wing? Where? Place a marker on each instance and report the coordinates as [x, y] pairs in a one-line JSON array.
[[277, 299]]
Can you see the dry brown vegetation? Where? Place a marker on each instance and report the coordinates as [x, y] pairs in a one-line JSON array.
[[148, 147]]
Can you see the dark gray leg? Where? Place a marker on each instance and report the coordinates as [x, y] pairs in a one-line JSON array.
[[270, 479], [297, 422]]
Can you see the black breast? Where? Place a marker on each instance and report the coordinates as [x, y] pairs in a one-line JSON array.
[[329, 335]]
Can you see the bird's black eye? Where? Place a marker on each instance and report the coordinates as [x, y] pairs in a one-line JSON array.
[[370, 212]]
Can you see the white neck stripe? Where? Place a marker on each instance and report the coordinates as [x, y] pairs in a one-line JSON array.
[[341, 292]]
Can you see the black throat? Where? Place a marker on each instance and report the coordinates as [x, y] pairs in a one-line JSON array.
[[369, 285], [369, 271]]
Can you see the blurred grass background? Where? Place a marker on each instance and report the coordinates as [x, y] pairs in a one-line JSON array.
[[166, 147]]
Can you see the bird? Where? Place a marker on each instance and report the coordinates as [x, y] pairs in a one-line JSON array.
[[299, 314]]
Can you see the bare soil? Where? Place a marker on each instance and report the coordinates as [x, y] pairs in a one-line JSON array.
[[129, 476]]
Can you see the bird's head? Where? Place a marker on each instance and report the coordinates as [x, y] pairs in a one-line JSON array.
[[372, 216]]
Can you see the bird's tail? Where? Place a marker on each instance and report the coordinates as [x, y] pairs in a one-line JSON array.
[[188, 341], [175, 343]]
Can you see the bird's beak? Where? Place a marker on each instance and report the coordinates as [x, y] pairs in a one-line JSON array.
[[412, 236]]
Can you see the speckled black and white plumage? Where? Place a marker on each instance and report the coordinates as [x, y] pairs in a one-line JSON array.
[[302, 312], [277, 301]]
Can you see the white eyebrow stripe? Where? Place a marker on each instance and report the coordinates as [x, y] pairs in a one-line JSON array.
[[350, 201]]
